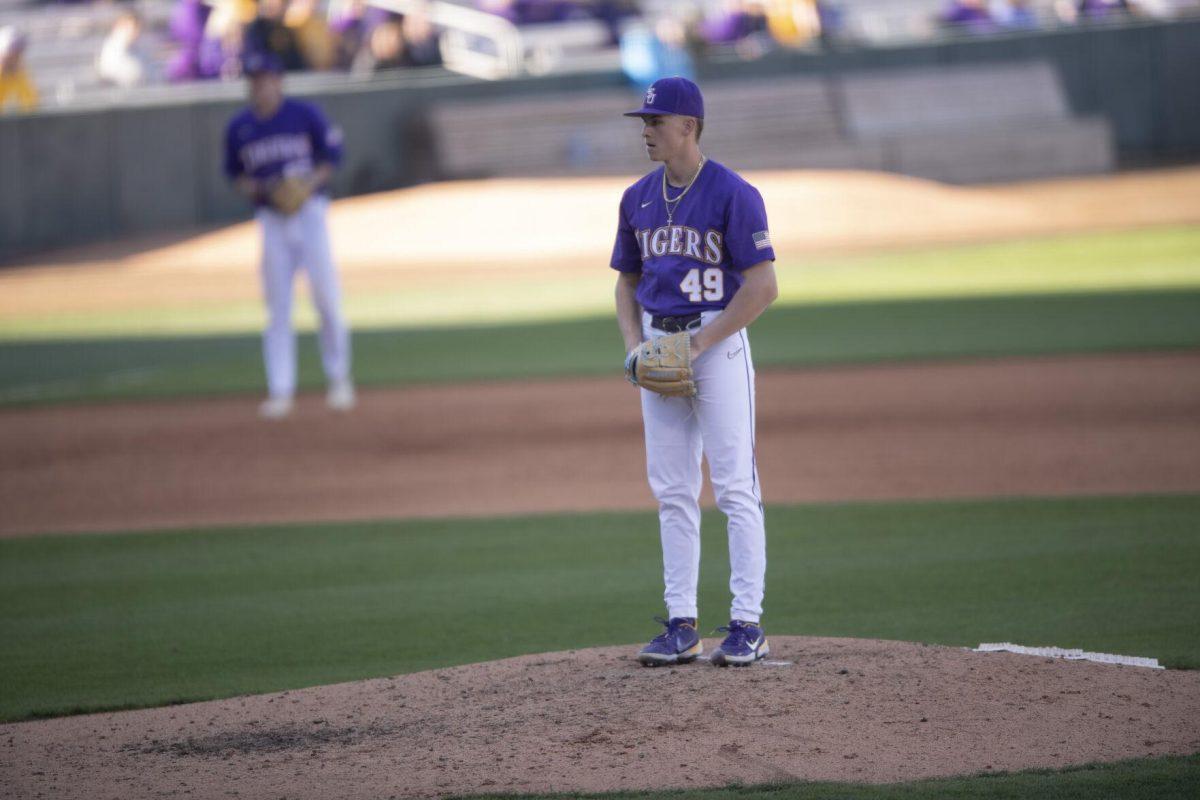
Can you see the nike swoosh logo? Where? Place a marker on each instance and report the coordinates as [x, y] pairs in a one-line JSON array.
[[734, 353], [648, 202]]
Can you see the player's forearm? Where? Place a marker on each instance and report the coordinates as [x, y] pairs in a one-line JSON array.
[[757, 292], [247, 187], [629, 312]]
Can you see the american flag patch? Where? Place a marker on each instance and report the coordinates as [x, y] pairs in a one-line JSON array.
[[762, 240]]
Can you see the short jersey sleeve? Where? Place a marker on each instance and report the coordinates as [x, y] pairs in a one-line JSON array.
[[233, 160], [627, 256], [326, 138], [747, 237]]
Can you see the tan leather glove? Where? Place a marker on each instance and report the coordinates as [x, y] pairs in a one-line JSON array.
[[663, 365]]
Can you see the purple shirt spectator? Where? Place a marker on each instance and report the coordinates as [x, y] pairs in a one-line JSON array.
[[187, 27], [968, 15]]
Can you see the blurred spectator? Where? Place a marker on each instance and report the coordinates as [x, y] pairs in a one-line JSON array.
[[968, 16], [533, 12], [268, 33], [15, 82], [1102, 9], [421, 40], [734, 21], [313, 35], [649, 52], [613, 14], [123, 59], [793, 23], [1015, 15], [224, 38], [188, 19], [353, 28], [384, 50]]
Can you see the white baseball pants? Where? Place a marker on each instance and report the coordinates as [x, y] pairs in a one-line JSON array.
[[717, 424], [290, 243]]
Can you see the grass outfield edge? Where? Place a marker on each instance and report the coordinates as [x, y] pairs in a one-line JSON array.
[[927, 502], [45, 372], [971, 785], [146, 619]]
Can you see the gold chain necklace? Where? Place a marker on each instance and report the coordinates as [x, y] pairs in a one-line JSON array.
[[668, 202]]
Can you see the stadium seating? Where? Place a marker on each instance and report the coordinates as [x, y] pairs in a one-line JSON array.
[[981, 123], [64, 41]]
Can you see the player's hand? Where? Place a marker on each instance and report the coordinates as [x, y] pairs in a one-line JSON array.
[[631, 365]]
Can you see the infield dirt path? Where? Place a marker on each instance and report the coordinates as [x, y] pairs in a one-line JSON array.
[[1049, 426]]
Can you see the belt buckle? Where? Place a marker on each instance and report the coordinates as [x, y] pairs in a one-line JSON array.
[[678, 323]]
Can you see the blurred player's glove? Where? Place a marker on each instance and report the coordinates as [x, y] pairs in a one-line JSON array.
[[290, 194], [663, 365]]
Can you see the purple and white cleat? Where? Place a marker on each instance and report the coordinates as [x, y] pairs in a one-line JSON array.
[[744, 644], [678, 644]]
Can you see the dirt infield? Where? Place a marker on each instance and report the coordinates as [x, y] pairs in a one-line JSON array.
[[594, 720], [1049, 426], [846, 710]]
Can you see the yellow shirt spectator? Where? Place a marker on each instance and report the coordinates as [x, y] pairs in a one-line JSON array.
[[793, 22], [18, 87], [14, 80]]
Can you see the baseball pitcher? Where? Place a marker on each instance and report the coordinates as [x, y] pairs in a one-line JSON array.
[[280, 153], [696, 267]]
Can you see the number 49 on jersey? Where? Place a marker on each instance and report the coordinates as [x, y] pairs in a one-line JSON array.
[[710, 286]]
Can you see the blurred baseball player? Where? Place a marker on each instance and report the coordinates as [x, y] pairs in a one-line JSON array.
[[281, 153], [696, 267]]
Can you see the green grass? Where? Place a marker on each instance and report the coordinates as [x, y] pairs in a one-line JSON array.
[[115, 621], [1144, 259], [1141, 259], [1171, 778], [73, 370]]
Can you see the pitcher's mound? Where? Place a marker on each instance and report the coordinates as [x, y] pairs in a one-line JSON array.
[[594, 720]]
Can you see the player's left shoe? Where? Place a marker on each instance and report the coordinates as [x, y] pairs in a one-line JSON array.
[[744, 644], [341, 396]]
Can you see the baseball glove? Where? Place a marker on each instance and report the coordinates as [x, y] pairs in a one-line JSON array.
[[663, 365], [290, 194]]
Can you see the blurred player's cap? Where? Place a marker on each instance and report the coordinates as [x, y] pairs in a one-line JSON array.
[[671, 96], [256, 63]]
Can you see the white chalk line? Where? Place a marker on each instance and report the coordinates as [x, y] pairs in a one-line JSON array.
[[764, 662], [1069, 654]]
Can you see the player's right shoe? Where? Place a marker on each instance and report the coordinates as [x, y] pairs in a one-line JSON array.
[[678, 644], [744, 644], [340, 396], [275, 407]]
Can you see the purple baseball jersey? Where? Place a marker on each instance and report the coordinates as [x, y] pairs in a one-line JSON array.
[[292, 142], [718, 230]]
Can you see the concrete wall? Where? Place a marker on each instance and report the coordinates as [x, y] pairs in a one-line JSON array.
[[68, 177]]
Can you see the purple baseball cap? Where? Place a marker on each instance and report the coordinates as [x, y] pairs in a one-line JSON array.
[[671, 96], [257, 62]]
